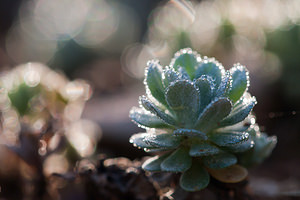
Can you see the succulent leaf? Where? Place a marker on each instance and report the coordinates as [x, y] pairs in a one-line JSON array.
[[228, 139], [203, 149], [183, 75], [219, 161], [153, 80], [213, 114], [138, 140], [224, 86], [239, 113], [241, 147], [263, 146], [204, 85], [190, 133], [169, 77], [187, 59], [240, 126], [158, 112], [211, 68], [178, 161], [195, 178], [147, 119], [167, 140], [240, 82], [183, 99], [232, 174], [153, 164]]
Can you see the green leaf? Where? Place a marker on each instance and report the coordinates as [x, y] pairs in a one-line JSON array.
[[21, 96], [211, 68], [203, 149], [240, 82], [153, 164], [213, 114], [143, 118], [194, 179], [228, 139], [205, 86], [165, 140], [170, 76], [190, 133], [187, 59], [240, 112], [153, 81], [224, 86], [241, 147], [240, 126], [264, 145], [183, 99], [183, 75], [178, 161], [219, 161], [138, 140], [158, 112]]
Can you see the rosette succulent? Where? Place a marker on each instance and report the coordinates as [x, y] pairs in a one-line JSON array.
[[35, 99], [198, 121]]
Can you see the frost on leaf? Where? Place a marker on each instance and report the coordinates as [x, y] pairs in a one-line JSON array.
[[198, 118]]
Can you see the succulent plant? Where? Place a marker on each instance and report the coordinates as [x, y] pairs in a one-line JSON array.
[[198, 119], [41, 126], [37, 100]]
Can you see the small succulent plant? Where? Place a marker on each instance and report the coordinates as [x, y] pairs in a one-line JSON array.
[[198, 120], [41, 125], [38, 102]]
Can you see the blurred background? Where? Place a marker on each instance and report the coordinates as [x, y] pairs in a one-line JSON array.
[[108, 42]]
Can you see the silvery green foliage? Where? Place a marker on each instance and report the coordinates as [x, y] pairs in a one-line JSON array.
[[199, 115]]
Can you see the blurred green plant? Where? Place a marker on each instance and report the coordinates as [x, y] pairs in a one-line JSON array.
[[41, 98], [21, 96], [285, 43], [41, 121], [229, 30], [198, 116]]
